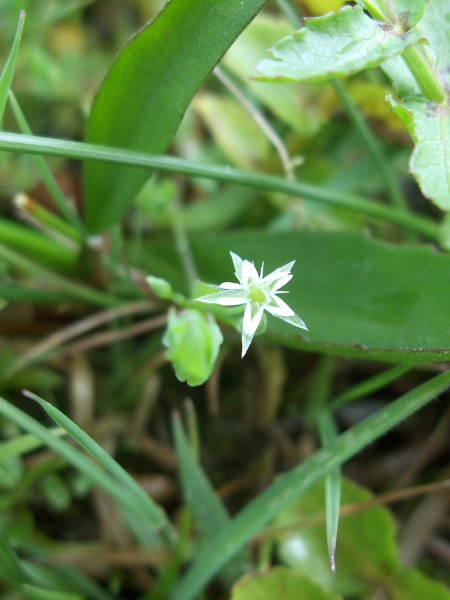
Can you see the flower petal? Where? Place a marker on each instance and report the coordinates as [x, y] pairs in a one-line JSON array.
[[281, 282], [237, 262], [228, 285], [249, 272], [279, 308], [280, 272], [249, 326], [226, 297], [294, 320]]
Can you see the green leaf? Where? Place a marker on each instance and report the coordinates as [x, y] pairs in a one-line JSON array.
[[148, 89], [270, 502], [367, 551], [118, 483], [429, 125], [336, 45], [279, 584], [406, 13], [8, 72], [358, 297], [10, 570], [413, 585], [209, 512]]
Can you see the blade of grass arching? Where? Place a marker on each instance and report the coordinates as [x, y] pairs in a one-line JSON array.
[[19, 143], [95, 473], [369, 386], [11, 574], [149, 87], [210, 514], [269, 503], [324, 422], [48, 177], [143, 503], [8, 72]]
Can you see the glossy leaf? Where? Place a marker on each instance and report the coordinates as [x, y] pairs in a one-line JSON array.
[[359, 297], [148, 89], [336, 45], [279, 584], [366, 543], [429, 126]]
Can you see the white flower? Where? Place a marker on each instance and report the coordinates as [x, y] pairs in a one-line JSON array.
[[258, 293]]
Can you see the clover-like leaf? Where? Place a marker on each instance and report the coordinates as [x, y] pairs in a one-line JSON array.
[[335, 45], [429, 125]]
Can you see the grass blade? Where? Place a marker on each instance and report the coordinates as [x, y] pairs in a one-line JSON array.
[[257, 513], [8, 72]]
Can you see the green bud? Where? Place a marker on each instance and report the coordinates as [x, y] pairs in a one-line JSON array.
[[193, 341], [160, 287]]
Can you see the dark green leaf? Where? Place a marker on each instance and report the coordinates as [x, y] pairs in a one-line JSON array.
[[335, 45], [359, 297], [146, 92]]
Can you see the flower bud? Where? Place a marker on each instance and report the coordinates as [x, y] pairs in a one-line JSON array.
[[193, 341]]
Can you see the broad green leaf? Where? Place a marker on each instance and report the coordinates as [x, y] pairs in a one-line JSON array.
[[289, 487], [366, 545], [429, 125], [279, 584], [148, 89], [438, 47], [413, 585], [8, 72], [336, 45], [359, 297]]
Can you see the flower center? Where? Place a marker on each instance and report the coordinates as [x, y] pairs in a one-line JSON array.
[[257, 294]]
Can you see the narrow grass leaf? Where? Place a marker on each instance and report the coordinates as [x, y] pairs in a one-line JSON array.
[[93, 472], [210, 514], [142, 502], [10, 572], [19, 143], [8, 72], [47, 176], [268, 504]]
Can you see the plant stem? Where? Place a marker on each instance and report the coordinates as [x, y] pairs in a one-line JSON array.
[[77, 290], [18, 143], [423, 74], [373, 145], [46, 174]]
